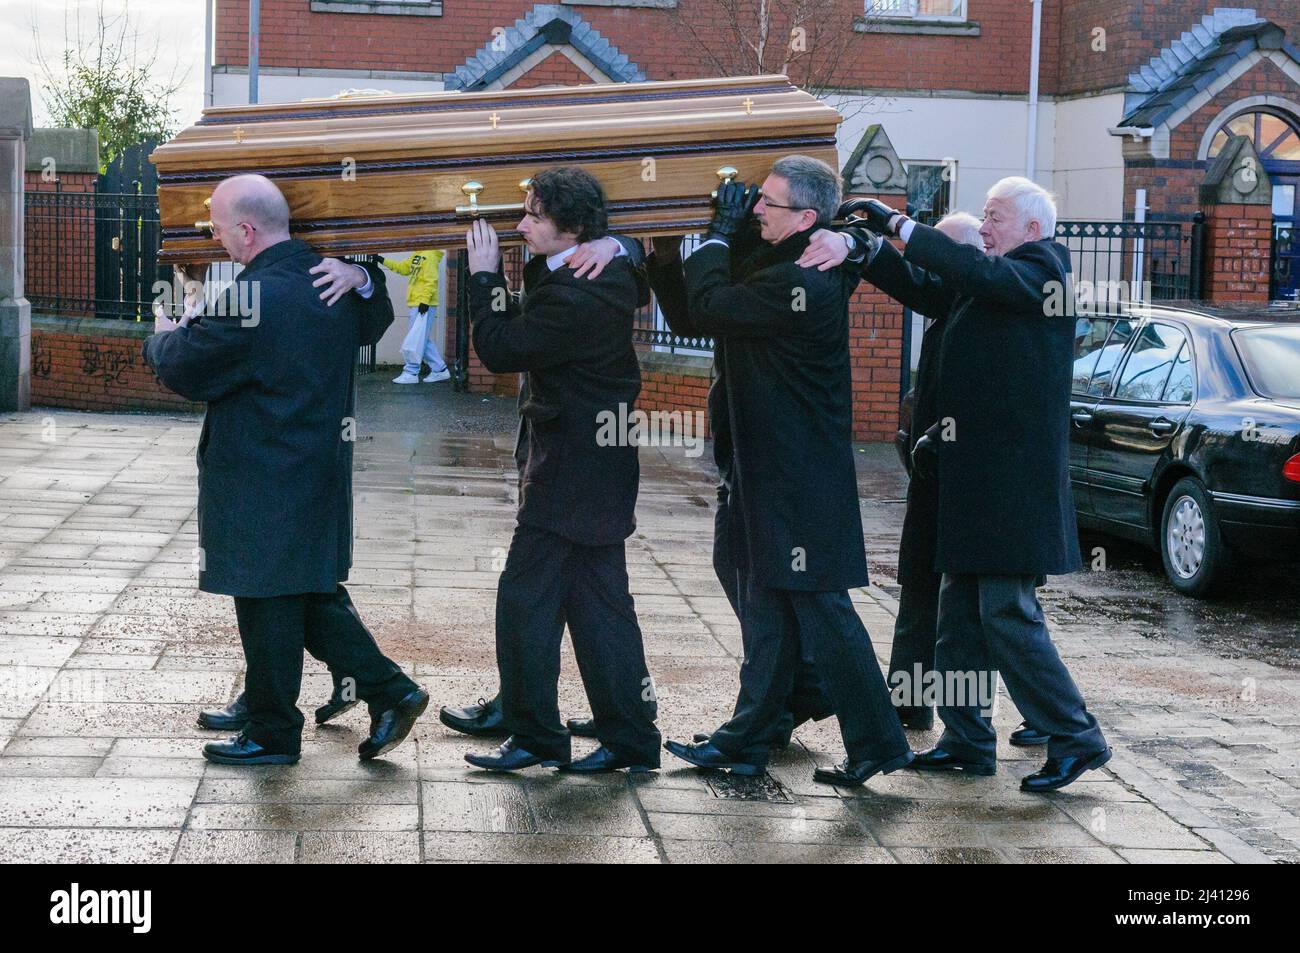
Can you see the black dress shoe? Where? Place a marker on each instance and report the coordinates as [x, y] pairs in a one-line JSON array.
[[243, 750], [918, 719], [1027, 736], [602, 759], [702, 737], [483, 720], [581, 727], [390, 728], [705, 755], [511, 757], [848, 774], [231, 718], [1058, 772], [336, 706], [936, 759]]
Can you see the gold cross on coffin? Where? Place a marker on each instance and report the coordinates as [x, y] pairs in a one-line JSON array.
[[495, 119], [239, 133], [749, 106]]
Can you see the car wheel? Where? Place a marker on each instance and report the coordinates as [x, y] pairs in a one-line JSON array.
[[1191, 547]]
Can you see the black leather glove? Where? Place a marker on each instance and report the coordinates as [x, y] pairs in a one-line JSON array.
[[734, 204], [424, 309], [925, 458], [876, 215]]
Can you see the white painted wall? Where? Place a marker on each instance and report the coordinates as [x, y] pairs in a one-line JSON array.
[[1077, 158], [985, 136], [1089, 162], [231, 89]]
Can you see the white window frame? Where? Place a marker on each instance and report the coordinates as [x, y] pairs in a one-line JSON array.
[[907, 10]]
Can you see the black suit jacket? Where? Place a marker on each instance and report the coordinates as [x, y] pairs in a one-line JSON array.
[[275, 454], [573, 338], [1005, 504], [781, 333]]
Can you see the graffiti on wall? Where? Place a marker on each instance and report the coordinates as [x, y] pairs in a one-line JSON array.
[[106, 363], [42, 360]]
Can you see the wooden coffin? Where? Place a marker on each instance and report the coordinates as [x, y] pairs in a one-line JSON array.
[[387, 172]]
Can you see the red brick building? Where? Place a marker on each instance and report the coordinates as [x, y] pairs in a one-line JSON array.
[[1125, 113]]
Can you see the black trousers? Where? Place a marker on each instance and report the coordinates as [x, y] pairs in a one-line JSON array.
[[549, 580], [779, 623], [917, 626], [991, 624], [807, 699], [915, 634], [274, 632]]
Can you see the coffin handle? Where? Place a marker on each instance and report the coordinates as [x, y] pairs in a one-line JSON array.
[[725, 174], [472, 189]]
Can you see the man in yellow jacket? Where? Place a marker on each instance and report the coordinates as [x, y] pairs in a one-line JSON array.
[[422, 299]]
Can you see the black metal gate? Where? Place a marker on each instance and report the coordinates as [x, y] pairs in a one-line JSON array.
[[127, 236]]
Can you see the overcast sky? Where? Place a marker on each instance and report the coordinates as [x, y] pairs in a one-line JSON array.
[[176, 26]]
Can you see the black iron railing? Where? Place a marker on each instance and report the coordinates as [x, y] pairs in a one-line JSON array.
[[93, 254], [1148, 261]]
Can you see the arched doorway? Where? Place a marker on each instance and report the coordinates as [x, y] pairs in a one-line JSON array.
[[1276, 137]]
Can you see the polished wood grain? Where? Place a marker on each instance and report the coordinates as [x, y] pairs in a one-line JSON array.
[[384, 173]]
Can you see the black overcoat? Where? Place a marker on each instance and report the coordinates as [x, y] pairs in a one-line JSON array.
[[783, 359], [1005, 505], [275, 453], [573, 338], [925, 294]]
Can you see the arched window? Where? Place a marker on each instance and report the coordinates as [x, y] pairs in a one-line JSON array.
[[1274, 137]]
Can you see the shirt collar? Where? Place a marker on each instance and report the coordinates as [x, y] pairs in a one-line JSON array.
[[553, 262]]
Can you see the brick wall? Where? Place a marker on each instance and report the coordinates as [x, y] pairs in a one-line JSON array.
[[677, 383], [556, 70], [93, 364], [60, 242], [876, 355], [1239, 240], [1136, 30], [997, 60]]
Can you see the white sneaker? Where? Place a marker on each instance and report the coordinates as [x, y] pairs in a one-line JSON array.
[[405, 378], [435, 376]]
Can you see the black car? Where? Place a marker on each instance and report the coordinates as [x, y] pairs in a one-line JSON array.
[[1185, 434]]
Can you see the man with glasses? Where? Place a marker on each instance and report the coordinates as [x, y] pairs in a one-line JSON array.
[[784, 362]]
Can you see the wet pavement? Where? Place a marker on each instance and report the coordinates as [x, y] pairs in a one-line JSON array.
[[107, 651]]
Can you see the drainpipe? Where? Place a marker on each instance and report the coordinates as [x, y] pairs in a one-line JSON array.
[[207, 55], [1031, 140], [254, 43]]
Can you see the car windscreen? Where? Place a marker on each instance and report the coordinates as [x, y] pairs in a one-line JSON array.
[[1272, 359]]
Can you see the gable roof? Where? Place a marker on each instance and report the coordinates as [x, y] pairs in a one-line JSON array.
[[1195, 62], [545, 23]]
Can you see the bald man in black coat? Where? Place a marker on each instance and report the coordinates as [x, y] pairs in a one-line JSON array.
[[275, 364]]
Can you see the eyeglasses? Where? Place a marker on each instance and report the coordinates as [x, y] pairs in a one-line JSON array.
[[216, 229], [770, 204]]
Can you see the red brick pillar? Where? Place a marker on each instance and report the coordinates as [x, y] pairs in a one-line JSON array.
[[1238, 252]]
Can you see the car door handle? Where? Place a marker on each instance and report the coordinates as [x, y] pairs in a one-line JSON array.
[[1161, 426], [1081, 417]]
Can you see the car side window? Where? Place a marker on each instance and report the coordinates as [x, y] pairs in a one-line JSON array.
[[1109, 358], [1150, 362], [1182, 382], [1089, 338]]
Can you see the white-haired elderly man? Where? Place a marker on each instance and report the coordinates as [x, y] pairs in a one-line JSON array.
[[915, 627], [1000, 450]]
